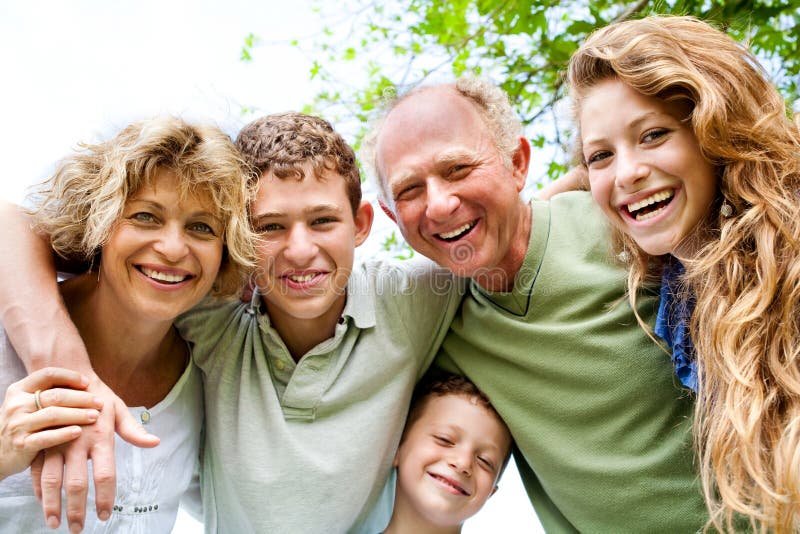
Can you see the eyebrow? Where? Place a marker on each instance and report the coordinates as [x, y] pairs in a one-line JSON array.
[[160, 207], [310, 210]]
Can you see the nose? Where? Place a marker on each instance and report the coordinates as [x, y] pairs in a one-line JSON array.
[[460, 460], [631, 168], [300, 246], [171, 243], [442, 201]]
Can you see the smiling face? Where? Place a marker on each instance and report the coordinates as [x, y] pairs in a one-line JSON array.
[[164, 254], [451, 194], [645, 166], [308, 237], [449, 460]]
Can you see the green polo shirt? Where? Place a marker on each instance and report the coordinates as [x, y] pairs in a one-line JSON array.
[[603, 426]]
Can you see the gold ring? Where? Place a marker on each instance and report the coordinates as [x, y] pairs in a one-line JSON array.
[[37, 400]]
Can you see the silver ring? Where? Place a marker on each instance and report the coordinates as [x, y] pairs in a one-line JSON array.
[[37, 400]]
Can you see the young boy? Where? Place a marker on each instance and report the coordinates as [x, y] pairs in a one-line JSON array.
[[307, 387], [451, 456]]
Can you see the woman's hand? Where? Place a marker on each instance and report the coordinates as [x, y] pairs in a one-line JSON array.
[[40, 411]]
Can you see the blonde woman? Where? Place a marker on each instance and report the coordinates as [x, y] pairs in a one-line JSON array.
[[159, 213], [692, 157]]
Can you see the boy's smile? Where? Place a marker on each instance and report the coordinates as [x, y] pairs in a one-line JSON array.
[[309, 234]]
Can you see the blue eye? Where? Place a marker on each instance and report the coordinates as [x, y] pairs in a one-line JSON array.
[[202, 228], [654, 135], [143, 216]]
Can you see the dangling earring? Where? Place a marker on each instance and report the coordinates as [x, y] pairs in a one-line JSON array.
[[726, 210], [624, 256]]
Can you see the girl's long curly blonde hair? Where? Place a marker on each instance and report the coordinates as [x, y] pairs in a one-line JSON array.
[[79, 205], [746, 274]]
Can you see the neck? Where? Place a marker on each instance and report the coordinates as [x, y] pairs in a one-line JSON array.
[[126, 351], [501, 277], [406, 520], [301, 335]]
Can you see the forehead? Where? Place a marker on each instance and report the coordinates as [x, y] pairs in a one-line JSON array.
[[427, 124], [314, 189], [167, 184], [602, 99]]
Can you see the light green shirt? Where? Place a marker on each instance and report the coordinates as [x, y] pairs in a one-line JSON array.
[[307, 447]]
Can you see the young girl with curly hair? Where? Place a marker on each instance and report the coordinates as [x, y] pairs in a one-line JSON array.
[[691, 155]]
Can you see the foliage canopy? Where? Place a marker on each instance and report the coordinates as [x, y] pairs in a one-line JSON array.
[[369, 48]]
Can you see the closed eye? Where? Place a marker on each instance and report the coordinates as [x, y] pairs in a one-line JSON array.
[[443, 440], [406, 193], [486, 463], [457, 171]]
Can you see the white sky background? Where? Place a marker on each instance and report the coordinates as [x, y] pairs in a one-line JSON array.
[[81, 70]]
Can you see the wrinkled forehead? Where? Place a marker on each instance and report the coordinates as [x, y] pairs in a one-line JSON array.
[[429, 112], [437, 119]]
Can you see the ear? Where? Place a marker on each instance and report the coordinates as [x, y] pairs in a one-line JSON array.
[[494, 490], [520, 160], [387, 211], [363, 220]]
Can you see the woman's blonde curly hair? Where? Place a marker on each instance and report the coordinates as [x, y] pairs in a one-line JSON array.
[[78, 207], [746, 274]]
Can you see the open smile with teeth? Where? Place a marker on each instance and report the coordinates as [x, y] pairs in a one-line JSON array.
[[450, 483], [649, 207], [302, 278], [458, 232], [165, 278]]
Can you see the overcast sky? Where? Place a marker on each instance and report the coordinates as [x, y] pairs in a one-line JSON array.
[[81, 70]]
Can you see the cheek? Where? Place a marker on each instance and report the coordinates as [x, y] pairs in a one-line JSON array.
[[600, 186]]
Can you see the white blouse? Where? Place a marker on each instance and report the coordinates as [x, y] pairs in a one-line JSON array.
[[150, 482]]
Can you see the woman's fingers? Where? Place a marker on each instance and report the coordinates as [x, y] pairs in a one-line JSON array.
[[69, 398], [49, 377], [52, 437], [56, 416]]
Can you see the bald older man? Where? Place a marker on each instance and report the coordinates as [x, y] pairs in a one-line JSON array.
[[602, 427]]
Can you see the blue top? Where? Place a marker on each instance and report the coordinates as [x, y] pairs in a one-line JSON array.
[[672, 323]]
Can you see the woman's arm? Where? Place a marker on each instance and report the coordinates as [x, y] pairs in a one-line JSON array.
[[577, 179]]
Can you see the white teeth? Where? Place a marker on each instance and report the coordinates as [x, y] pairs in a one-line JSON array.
[[650, 215], [652, 199], [163, 277], [301, 279], [458, 231]]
